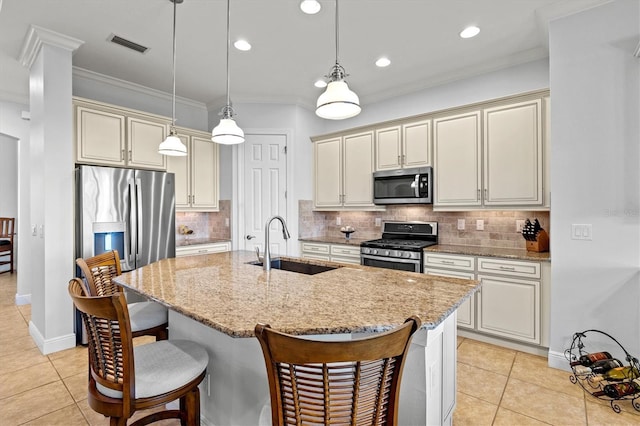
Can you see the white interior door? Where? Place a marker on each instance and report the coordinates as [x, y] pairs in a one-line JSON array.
[[265, 189]]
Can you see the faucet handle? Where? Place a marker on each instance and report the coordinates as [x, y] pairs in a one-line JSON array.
[[258, 254]]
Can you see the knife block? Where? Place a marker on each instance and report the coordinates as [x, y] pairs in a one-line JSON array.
[[541, 244]]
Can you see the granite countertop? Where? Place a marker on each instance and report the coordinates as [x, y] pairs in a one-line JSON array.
[[183, 242], [519, 254], [224, 292]]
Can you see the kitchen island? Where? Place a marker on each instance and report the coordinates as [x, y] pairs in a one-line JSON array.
[[218, 299]]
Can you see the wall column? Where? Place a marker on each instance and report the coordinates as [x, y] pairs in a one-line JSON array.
[[48, 56]]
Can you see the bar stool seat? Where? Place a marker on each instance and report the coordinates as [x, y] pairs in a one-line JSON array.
[[147, 315]]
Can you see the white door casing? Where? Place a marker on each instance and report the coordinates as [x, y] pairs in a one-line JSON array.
[[264, 190]]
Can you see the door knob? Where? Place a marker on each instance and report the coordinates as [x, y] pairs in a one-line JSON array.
[[250, 237]]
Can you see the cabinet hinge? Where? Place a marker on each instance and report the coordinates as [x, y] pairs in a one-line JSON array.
[[285, 194], [284, 150]]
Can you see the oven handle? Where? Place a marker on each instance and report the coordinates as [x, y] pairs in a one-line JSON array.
[[390, 259]]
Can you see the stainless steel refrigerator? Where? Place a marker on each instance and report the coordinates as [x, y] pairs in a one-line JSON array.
[[130, 210]]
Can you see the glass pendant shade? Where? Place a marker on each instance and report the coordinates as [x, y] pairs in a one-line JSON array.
[[172, 145], [338, 102], [227, 132]]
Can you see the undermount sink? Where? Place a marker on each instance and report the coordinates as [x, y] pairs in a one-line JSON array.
[[293, 266]]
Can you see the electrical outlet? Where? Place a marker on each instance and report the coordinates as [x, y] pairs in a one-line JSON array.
[[479, 225], [519, 225], [226, 222], [338, 221], [460, 224], [378, 222]]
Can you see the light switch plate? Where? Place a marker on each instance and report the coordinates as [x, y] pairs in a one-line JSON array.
[[582, 231], [338, 221], [460, 224], [519, 225], [378, 222], [479, 225]]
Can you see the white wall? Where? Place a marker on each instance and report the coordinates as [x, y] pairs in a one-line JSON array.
[[595, 92], [9, 187]]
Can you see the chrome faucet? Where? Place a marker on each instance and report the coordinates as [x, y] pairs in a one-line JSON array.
[[266, 258]]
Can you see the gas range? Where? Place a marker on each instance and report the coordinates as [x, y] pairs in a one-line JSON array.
[[401, 245]]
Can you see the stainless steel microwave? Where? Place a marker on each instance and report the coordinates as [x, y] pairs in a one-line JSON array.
[[403, 186]]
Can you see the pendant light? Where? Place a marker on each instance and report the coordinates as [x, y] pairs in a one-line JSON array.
[[227, 132], [337, 102], [172, 145]]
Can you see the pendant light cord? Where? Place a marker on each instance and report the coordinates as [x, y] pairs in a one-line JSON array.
[[337, 34], [228, 42], [173, 107]]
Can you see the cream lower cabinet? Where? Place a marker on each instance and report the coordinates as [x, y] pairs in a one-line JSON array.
[[334, 252], [200, 249], [513, 302], [404, 145], [111, 136], [196, 174], [446, 265], [343, 168]]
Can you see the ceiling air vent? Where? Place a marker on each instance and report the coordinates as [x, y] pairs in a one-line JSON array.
[[127, 43]]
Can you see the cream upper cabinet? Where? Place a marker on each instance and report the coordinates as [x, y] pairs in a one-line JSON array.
[[111, 136], [100, 136], [343, 167], [492, 157], [196, 175], [357, 185], [403, 146], [144, 137], [457, 166], [328, 173], [513, 154]]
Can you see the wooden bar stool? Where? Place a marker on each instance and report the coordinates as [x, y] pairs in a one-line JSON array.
[[124, 379], [347, 382], [147, 318], [7, 248]]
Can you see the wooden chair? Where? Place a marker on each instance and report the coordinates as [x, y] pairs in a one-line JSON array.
[[347, 382], [124, 379], [147, 318], [7, 229]]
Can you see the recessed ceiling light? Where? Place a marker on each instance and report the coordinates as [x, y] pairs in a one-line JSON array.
[[469, 32], [383, 62], [320, 84], [242, 45], [310, 7]]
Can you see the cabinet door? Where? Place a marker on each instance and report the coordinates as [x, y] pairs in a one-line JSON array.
[[457, 160], [467, 310], [388, 148], [513, 154], [179, 166], [144, 136], [509, 307], [358, 169], [416, 144], [100, 137], [204, 174], [328, 173]]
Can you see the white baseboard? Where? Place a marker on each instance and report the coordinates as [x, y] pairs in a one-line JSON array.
[[23, 299], [48, 346], [558, 360]]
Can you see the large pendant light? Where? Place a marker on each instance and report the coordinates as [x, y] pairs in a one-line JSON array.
[[337, 102], [227, 132], [172, 145]]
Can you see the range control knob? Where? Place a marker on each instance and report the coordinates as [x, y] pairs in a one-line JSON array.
[[375, 251], [386, 253], [407, 254]]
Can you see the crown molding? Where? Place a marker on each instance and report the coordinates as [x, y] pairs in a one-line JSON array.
[[37, 36], [127, 85]]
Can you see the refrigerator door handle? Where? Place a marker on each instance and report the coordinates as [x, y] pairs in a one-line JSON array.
[[139, 222], [133, 230]]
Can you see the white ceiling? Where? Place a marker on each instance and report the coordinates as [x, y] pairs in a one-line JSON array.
[[290, 49]]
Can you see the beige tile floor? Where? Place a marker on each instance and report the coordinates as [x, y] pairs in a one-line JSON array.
[[496, 386]]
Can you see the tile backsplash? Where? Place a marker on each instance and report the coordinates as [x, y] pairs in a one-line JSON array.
[[499, 226], [206, 224]]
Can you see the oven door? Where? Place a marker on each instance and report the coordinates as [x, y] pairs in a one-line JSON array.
[[411, 265]]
